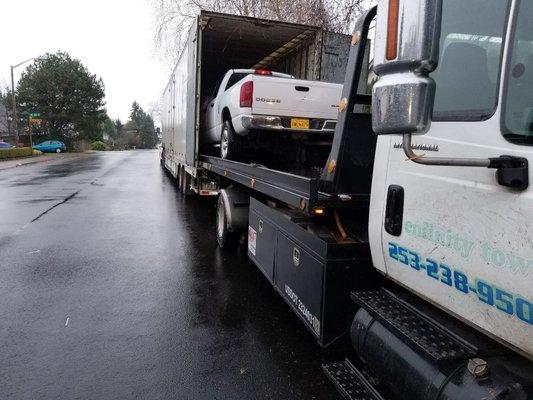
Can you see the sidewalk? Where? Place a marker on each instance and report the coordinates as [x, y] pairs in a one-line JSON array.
[[19, 162]]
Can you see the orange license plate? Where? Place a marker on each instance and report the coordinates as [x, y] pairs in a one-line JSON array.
[[299, 123]]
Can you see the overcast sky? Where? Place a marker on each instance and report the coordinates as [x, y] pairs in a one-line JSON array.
[[112, 38]]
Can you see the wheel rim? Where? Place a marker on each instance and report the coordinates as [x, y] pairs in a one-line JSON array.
[[220, 219], [224, 143]]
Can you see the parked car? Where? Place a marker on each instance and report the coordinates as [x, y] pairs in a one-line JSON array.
[[248, 100], [51, 146], [5, 145]]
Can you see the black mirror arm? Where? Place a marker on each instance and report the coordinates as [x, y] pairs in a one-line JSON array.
[[511, 171]]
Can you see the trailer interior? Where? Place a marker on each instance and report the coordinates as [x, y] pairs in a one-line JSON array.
[[230, 43]]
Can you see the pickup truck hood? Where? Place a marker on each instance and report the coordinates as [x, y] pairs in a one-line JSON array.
[[295, 97]]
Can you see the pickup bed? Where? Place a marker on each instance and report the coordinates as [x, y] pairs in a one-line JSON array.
[[247, 100]]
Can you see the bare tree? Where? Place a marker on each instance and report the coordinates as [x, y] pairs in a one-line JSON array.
[[154, 110], [173, 17]]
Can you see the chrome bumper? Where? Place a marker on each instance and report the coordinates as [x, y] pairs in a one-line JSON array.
[[275, 123]]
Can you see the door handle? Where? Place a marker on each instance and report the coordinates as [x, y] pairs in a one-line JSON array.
[[394, 210]]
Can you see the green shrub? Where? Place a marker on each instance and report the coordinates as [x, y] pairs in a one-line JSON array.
[[98, 146], [37, 152], [15, 152]]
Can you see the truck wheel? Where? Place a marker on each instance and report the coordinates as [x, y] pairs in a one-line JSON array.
[[225, 238], [230, 143]]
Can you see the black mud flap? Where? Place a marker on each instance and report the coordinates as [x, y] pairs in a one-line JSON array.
[[350, 382]]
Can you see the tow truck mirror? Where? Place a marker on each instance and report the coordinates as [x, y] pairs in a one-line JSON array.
[[406, 51]]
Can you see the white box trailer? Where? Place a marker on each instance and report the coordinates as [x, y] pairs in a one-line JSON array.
[[219, 42]]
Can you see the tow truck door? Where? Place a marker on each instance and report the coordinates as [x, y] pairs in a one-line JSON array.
[[465, 242]]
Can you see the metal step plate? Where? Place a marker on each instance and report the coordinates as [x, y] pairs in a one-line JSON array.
[[419, 332], [350, 382]]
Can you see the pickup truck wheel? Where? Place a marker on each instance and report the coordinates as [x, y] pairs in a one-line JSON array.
[[225, 238], [230, 143]]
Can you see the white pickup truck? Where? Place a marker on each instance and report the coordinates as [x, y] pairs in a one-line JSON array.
[[246, 100]]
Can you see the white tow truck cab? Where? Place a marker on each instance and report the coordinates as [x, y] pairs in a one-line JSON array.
[[458, 87]]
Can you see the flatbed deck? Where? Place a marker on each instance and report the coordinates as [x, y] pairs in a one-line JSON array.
[[300, 191], [296, 190]]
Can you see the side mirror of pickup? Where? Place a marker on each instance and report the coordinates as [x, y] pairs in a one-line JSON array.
[[406, 51]]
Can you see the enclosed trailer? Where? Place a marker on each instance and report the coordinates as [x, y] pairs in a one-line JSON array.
[[219, 42]]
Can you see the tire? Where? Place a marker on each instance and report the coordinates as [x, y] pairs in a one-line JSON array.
[[230, 143], [58, 150], [226, 239]]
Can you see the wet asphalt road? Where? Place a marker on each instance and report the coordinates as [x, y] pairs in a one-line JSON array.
[[113, 288]]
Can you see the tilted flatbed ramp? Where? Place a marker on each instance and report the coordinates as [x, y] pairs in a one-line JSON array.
[[295, 190]]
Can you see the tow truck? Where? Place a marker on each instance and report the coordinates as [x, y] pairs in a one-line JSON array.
[[415, 241]]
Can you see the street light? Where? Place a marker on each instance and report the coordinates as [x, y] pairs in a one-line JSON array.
[[15, 118]]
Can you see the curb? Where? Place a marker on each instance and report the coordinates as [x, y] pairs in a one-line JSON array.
[[45, 159]]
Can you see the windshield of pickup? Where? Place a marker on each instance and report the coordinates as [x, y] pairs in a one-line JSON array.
[[518, 95]]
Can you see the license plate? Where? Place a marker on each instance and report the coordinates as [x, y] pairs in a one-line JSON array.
[[299, 123]]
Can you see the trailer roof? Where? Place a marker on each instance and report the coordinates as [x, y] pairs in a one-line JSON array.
[[246, 42]]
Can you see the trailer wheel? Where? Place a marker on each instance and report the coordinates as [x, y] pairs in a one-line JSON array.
[[230, 143], [225, 238]]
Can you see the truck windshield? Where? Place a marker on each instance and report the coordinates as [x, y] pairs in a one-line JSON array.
[[470, 59], [518, 97]]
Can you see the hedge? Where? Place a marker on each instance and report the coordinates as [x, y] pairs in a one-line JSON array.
[[98, 146], [15, 152]]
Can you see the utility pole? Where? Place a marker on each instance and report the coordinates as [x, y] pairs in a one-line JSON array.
[[15, 117], [15, 122]]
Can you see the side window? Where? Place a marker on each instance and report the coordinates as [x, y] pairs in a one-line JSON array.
[[470, 59], [518, 96], [217, 86], [236, 77]]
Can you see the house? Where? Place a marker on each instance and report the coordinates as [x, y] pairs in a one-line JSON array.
[[4, 124]]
